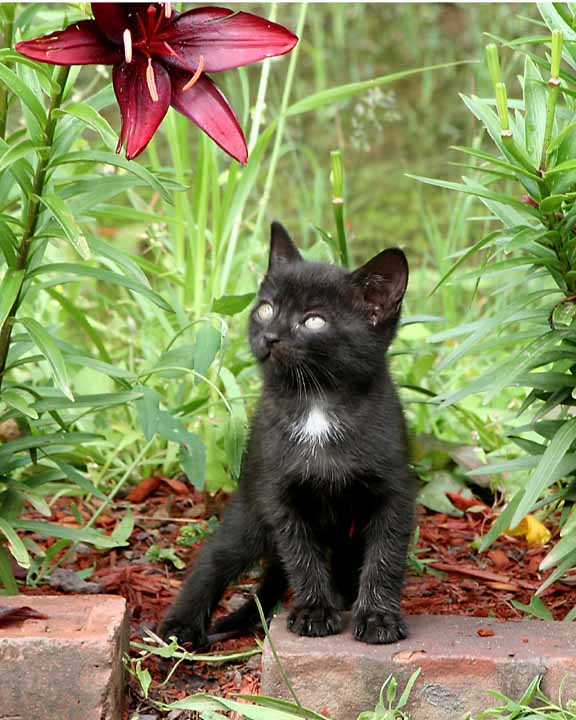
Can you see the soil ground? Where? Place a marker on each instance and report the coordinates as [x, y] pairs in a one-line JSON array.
[[447, 576]]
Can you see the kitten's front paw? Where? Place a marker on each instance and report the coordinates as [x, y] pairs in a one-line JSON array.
[[315, 621], [185, 630], [379, 628]]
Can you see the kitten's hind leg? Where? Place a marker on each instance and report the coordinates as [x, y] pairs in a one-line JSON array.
[[272, 587], [238, 544]]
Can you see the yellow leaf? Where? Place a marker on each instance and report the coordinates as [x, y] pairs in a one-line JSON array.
[[533, 530]]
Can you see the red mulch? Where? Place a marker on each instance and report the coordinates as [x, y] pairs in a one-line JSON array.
[[463, 582]]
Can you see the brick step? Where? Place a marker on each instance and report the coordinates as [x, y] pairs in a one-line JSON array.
[[461, 658], [67, 667]]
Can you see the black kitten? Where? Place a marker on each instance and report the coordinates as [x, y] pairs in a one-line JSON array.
[[326, 498]]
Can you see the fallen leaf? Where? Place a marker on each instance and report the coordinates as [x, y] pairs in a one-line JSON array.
[[405, 656], [466, 504], [10, 614], [144, 489], [485, 632], [499, 558], [532, 529], [177, 486]]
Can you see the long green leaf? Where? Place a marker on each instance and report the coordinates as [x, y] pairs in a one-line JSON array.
[[46, 440], [9, 289], [51, 352], [17, 547], [59, 211], [109, 158], [540, 480], [78, 271], [85, 535], [103, 400], [344, 92], [479, 191]]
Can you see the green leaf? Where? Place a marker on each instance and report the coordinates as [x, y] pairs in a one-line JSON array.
[[59, 211], [344, 92], [79, 479], [19, 88], [15, 544], [46, 440], [510, 313], [200, 703], [555, 21], [496, 161], [78, 271], [101, 400], [9, 289], [478, 191], [51, 352], [206, 347], [536, 608], [92, 119], [550, 460], [563, 547], [13, 153], [148, 409], [193, 460], [122, 532], [232, 304], [535, 100], [19, 401], [6, 574], [84, 535], [109, 158]]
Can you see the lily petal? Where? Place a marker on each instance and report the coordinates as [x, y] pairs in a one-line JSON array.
[[225, 38], [78, 44], [207, 107], [141, 115]]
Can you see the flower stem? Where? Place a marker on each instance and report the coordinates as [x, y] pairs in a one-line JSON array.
[[253, 139], [281, 122], [553, 92], [32, 209], [8, 36]]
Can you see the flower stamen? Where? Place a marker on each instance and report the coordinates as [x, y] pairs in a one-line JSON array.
[[194, 79], [151, 81], [127, 39], [167, 10]]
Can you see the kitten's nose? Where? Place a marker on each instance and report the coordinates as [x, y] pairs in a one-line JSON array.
[[271, 338]]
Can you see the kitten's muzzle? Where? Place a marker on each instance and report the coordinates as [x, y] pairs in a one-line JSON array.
[[268, 341]]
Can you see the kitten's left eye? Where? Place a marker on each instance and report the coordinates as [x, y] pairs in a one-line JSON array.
[[265, 311], [314, 322]]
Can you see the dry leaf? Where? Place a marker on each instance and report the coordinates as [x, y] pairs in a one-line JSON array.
[[10, 614], [485, 632]]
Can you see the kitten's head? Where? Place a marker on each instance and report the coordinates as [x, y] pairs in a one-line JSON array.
[[320, 325]]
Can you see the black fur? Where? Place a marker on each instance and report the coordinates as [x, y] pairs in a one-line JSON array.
[[332, 520]]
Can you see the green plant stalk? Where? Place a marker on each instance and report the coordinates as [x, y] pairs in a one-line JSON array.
[[32, 209], [493, 64], [252, 140], [8, 42], [553, 92], [338, 205], [281, 123]]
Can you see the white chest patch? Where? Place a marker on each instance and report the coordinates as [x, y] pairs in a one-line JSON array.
[[316, 427]]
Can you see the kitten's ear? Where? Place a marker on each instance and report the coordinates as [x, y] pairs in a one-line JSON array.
[[282, 248], [383, 282]]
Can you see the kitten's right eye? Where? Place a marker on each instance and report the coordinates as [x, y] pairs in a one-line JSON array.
[[265, 311]]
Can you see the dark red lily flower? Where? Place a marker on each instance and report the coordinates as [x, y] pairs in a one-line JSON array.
[[160, 58]]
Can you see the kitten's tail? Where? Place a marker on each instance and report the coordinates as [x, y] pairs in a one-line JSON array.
[[271, 590]]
